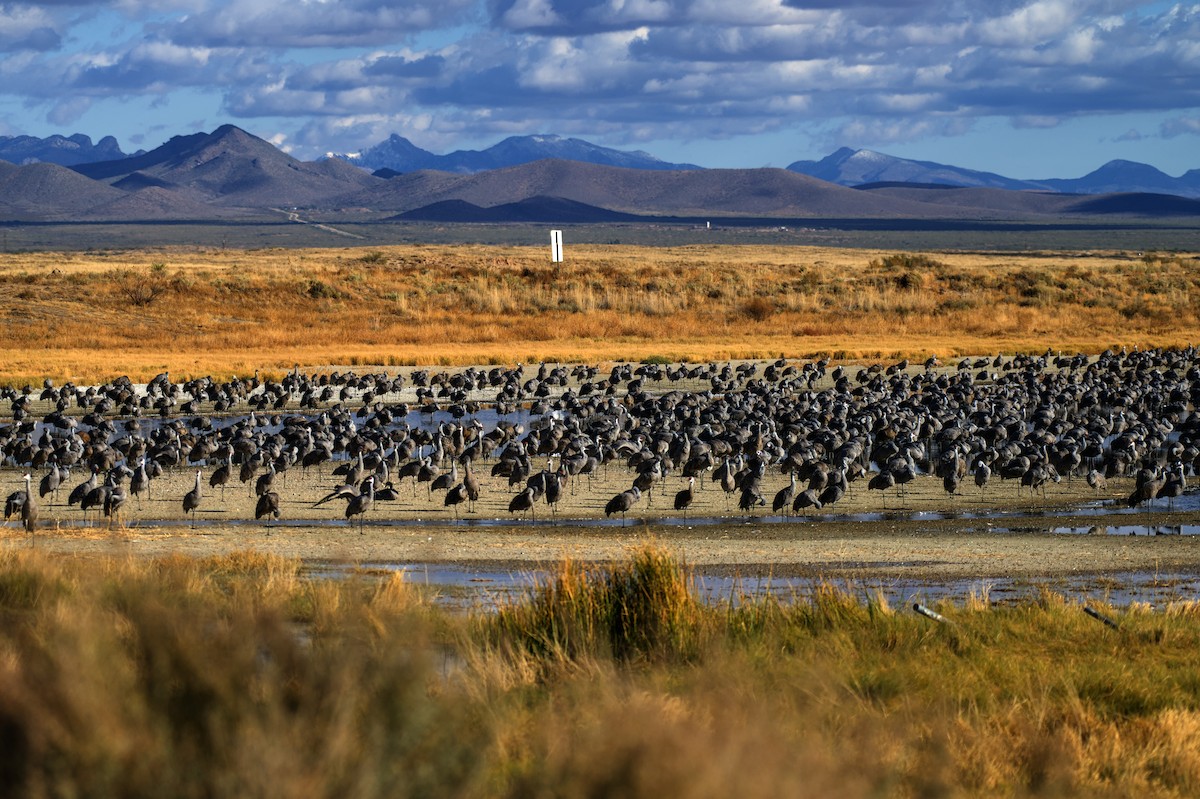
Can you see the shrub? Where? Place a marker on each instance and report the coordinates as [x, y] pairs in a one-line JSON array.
[[140, 289], [758, 309]]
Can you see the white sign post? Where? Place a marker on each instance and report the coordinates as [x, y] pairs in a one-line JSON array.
[[556, 250]]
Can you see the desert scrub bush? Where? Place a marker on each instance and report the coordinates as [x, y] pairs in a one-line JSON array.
[[320, 290], [758, 309], [140, 288], [906, 260]]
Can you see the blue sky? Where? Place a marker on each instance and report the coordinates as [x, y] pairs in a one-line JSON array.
[[1048, 88]]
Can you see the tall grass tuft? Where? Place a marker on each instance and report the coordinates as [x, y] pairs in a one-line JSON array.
[[192, 678], [643, 608]]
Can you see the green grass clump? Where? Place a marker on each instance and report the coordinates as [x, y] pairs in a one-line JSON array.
[[642, 608]]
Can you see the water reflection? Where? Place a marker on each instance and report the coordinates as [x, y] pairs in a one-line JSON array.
[[462, 587]]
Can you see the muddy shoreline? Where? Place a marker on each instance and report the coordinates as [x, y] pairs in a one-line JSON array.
[[944, 549]]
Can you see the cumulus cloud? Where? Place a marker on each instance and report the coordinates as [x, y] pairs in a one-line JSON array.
[[25, 27], [66, 112], [880, 71], [1181, 126], [576, 17], [149, 66], [312, 23]]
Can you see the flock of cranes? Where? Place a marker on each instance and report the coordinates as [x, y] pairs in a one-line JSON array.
[[824, 430]]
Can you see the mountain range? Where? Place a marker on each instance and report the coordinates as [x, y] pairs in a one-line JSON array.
[[62, 150], [845, 167], [848, 167], [398, 154], [229, 174]]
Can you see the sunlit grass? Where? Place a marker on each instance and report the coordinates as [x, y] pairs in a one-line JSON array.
[[236, 675], [88, 316]]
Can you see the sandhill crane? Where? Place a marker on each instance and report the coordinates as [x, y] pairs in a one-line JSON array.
[[445, 480], [555, 484], [220, 476], [140, 482], [29, 508], [785, 496], [684, 498], [267, 506], [83, 489], [882, 482], [833, 492], [354, 471], [471, 483], [386, 494], [191, 500], [427, 473], [523, 501], [12, 505], [410, 469], [455, 497], [983, 473], [265, 481], [751, 494], [359, 505], [621, 503], [114, 500], [50, 482], [1149, 483], [808, 498], [1174, 484], [249, 470], [346, 492], [97, 497]]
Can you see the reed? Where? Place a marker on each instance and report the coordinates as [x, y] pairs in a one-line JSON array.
[[238, 676], [642, 608]]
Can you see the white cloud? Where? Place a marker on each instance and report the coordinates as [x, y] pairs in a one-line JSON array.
[[1181, 126], [1040, 21], [526, 14], [68, 111]]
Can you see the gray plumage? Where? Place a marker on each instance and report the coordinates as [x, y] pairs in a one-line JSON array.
[[29, 508], [191, 500]]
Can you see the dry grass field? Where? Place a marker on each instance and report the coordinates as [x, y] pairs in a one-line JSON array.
[[89, 316]]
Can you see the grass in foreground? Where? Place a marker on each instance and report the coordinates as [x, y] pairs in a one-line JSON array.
[[234, 676], [90, 316]]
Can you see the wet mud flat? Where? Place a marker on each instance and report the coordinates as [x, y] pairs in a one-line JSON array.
[[1004, 549]]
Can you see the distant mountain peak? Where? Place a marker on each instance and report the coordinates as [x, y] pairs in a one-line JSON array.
[[870, 156], [232, 167], [400, 155], [62, 150], [850, 167], [1120, 165]]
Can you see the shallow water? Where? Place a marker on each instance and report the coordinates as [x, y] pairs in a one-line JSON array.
[[1130, 529], [469, 588], [1140, 519]]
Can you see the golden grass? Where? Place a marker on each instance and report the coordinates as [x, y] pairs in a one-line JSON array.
[[89, 316], [234, 676]]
